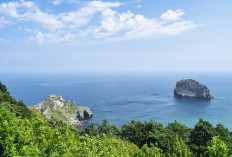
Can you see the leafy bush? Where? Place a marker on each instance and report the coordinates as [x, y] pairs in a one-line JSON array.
[[217, 148], [178, 149], [151, 151], [106, 146]]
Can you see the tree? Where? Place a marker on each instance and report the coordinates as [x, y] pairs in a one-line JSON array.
[[148, 132], [180, 130], [178, 148], [152, 151], [106, 146], [200, 135], [107, 129], [3, 88], [217, 148], [8, 133], [95, 129], [224, 134]]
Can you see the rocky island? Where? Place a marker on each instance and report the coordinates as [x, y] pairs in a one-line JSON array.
[[190, 88], [63, 110]]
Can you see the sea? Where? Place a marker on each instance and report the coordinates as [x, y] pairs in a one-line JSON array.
[[122, 97]]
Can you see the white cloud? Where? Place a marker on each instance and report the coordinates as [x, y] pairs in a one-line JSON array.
[[9, 8], [29, 12], [172, 15], [58, 2], [84, 15], [126, 26], [104, 5], [50, 37], [96, 21]]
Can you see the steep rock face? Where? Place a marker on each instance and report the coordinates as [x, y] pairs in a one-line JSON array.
[[84, 113], [191, 89], [64, 110]]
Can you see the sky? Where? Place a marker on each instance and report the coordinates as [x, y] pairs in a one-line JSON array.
[[73, 36]]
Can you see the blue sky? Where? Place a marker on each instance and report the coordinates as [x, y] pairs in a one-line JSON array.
[[71, 36]]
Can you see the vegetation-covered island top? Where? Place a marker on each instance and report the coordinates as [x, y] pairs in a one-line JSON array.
[[55, 107]]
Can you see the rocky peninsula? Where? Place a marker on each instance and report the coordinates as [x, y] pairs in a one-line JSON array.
[[63, 110], [190, 88]]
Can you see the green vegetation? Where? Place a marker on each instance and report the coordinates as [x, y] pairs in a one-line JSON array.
[[35, 137], [174, 140], [17, 107], [217, 148], [24, 132]]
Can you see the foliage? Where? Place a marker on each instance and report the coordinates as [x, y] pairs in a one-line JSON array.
[[178, 149], [148, 132], [224, 134], [3, 88], [24, 137], [8, 133], [200, 135], [95, 129], [180, 130], [217, 148], [35, 137], [106, 146], [151, 151]]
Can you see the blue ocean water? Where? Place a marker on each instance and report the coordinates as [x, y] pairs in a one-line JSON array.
[[120, 98]]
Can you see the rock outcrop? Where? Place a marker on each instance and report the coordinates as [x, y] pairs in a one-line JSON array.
[[64, 110], [84, 113], [191, 89]]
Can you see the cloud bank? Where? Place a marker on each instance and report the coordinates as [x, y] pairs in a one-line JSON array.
[[94, 22]]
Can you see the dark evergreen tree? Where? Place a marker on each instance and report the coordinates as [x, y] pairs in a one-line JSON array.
[[3, 88], [145, 133], [180, 130], [202, 133], [224, 134]]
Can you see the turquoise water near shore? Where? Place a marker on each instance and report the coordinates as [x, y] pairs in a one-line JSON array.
[[120, 98]]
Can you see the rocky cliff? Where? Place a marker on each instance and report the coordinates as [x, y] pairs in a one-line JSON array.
[[191, 89], [64, 110]]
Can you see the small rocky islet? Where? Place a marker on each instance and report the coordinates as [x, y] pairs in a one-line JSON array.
[[63, 110], [189, 88]]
